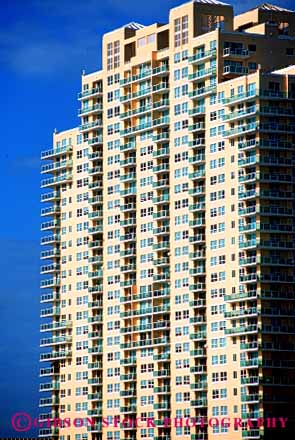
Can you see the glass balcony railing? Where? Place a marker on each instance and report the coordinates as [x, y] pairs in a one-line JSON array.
[[199, 56], [49, 154], [202, 73]]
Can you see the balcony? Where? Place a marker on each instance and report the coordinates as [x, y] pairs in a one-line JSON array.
[[49, 297], [251, 328], [130, 146], [161, 105], [98, 288], [95, 140], [49, 401], [276, 145], [198, 353], [128, 268], [241, 97], [50, 282], [251, 177], [50, 211], [197, 191], [162, 152], [251, 380], [161, 277], [197, 175], [198, 287], [56, 166], [131, 221], [236, 297], [251, 434], [45, 372], [198, 303], [95, 155], [51, 196], [46, 342], [163, 214], [165, 120], [96, 229], [95, 305], [51, 225], [91, 125], [137, 128], [131, 252], [87, 110], [162, 183], [199, 403], [202, 73], [274, 94], [248, 145], [162, 373], [200, 126], [52, 311], [197, 159], [198, 369], [130, 161], [164, 167], [235, 53], [197, 207], [250, 111], [253, 398], [131, 191], [197, 238], [95, 170], [162, 245], [54, 152], [242, 129], [276, 111], [200, 336], [201, 56], [197, 111], [94, 381], [250, 194], [53, 181], [135, 95], [161, 70], [161, 87], [49, 386], [94, 91], [52, 326], [235, 70], [49, 268], [96, 184], [95, 244], [164, 198], [55, 355], [50, 239], [200, 92], [240, 313], [128, 177], [95, 275], [250, 363], [134, 78], [95, 366], [161, 137]]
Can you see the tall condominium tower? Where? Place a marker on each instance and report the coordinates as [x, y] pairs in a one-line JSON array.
[[168, 256]]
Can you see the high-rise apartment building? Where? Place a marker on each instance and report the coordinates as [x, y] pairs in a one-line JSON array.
[[169, 233]]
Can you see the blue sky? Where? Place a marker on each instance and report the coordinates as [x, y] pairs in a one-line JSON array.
[[44, 46]]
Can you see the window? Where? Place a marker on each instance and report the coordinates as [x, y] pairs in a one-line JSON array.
[[113, 55], [181, 31]]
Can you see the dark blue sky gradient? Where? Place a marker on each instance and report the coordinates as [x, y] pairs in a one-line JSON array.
[[44, 45]]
